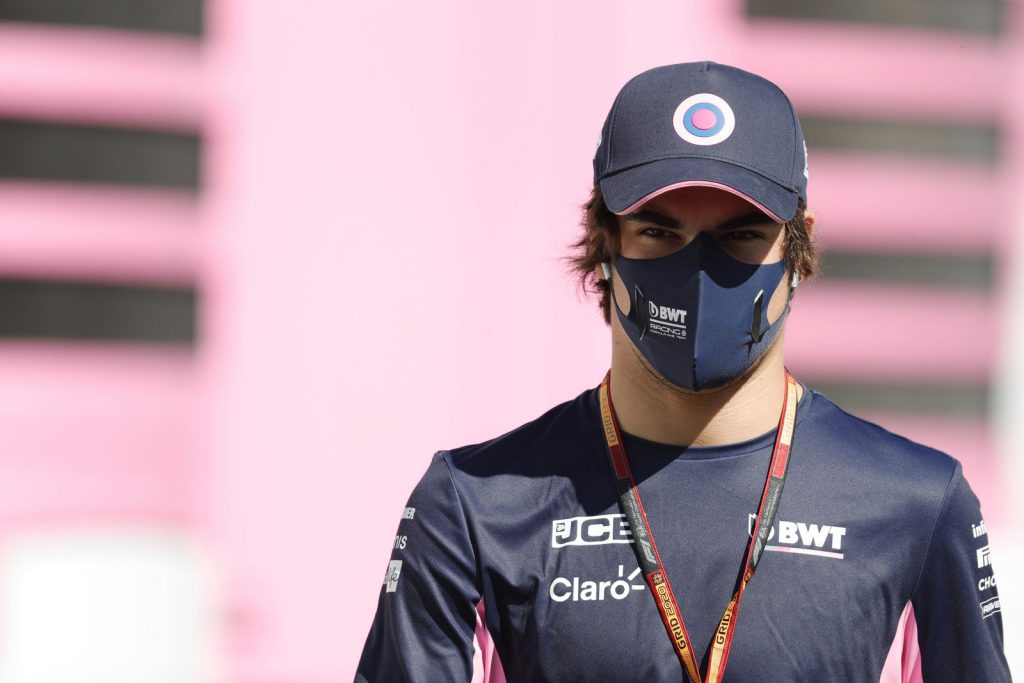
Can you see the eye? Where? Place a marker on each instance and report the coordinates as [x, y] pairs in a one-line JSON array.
[[658, 234], [743, 235]]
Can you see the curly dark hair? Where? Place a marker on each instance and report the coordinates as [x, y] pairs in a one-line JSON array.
[[600, 243]]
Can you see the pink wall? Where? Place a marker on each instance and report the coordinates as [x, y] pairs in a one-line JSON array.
[[393, 192], [389, 190]]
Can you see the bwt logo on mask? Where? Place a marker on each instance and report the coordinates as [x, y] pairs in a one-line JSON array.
[[666, 313], [666, 320]]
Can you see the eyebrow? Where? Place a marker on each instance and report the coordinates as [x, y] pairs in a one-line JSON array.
[[743, 221], [654, 217]]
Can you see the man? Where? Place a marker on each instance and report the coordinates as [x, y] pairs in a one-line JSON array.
[[700, 511]]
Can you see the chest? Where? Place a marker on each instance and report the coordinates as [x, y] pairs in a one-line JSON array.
[[572, 604]]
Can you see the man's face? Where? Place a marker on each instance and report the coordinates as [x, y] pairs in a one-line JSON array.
[[670, 221]]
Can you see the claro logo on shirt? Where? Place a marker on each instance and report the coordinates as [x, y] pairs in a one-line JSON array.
[[597, 530], [578, 589], [804, 538]]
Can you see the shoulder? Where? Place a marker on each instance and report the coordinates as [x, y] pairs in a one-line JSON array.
[[547, 461], [864, 452], [537, 447]]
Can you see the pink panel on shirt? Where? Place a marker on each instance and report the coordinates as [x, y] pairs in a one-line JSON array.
[[486, 663], [903, 665]]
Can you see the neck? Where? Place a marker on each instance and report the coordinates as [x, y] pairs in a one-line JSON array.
[[646, 406]]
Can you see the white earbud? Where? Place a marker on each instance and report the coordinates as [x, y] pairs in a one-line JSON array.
[[606, 269], [795, 280]]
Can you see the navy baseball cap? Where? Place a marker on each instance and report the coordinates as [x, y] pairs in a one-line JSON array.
[[704, 124]]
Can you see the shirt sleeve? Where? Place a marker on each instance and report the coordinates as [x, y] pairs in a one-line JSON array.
[[426, 613], [956, 603]]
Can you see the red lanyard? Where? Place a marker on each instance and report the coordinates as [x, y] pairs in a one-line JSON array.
[[647, 551]]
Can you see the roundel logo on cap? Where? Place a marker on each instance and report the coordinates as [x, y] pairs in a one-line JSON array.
[[704, 119]]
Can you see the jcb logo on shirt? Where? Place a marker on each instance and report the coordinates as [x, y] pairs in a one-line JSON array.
[[597, 530], [822, 540]]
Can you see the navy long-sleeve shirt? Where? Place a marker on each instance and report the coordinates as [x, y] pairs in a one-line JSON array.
[[878, 567]]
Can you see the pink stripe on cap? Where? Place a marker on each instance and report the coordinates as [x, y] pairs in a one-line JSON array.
[[698, 183]]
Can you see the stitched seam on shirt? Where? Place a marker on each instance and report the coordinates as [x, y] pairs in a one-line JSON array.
[[465, 517], [950, 487], [478, 574]]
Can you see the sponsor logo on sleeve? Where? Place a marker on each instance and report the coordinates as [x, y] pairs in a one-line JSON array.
[[984, 554], [391, 578], [989, 607], [804, 538], [597, 530], [408, 513], [400, 542]]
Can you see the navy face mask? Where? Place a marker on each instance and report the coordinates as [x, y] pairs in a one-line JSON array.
[[699, 316]]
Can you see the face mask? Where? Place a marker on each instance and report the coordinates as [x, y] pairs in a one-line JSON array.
[[699, 316]]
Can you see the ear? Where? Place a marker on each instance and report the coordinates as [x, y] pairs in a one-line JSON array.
[[811, 221]]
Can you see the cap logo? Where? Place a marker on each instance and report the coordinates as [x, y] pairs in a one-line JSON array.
[[704, 119]]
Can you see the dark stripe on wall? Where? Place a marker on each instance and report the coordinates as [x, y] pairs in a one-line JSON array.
[[38, 309], [957, 141], [970, 16], [184, 17], [967, 400], [965, 271], [36, 150]]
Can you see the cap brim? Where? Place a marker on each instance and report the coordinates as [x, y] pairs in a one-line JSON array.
[[626, 190]]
